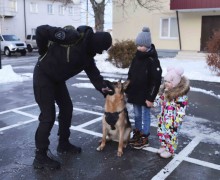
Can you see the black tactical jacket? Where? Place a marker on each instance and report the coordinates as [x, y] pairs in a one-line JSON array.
[[66, 52]]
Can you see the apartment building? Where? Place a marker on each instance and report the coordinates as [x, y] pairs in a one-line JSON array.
[[21, 17]]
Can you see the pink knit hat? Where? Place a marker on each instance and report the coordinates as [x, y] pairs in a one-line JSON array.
[[174, 75]]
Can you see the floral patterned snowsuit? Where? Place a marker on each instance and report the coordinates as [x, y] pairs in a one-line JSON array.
[[170, 120]]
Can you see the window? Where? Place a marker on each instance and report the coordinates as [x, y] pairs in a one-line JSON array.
[[70, 10], [61, 10], [169, 28], [10, 38], [33, 30], [13, 5], [33, 7], [28, 37], [50, 9]]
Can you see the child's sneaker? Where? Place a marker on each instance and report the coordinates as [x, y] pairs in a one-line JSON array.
[[161, 150], [165, 154], [136, 136], [141, 143]]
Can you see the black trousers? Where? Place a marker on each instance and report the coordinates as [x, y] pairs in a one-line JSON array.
[[47, 93]]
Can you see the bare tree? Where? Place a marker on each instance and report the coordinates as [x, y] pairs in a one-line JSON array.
[[99, 8], [150, 5]]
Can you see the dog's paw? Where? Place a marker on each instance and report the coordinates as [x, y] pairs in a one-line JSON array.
[[100, 141], [99, 148], [119, 153]]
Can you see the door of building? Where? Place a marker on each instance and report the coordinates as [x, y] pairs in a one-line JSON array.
[[209, 24]]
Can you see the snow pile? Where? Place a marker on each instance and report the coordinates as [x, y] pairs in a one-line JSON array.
[[7, 75]]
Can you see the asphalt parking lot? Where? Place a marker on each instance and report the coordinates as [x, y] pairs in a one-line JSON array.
[[196, 158]]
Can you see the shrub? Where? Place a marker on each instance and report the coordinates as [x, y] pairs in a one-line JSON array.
[[213, 48], [122, 53]]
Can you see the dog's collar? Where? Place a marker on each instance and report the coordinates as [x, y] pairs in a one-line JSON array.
[[117, 112]]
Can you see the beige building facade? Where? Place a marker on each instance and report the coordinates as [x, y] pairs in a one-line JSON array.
[[171, 30]]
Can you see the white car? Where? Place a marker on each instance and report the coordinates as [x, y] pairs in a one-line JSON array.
[[11, 44], [31, 42]]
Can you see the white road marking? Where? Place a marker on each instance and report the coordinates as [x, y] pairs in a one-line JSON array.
[[164, 173], [22, 107], [202, 163], [24, 113], [172, 165], [150, 149], [89, 122], [84, 130], [87, 111], [17, 124]]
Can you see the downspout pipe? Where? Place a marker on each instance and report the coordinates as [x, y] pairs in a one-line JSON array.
[[25, 24], [178, 26]]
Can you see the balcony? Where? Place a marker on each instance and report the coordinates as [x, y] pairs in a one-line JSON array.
[[193, 5], [8, 8]]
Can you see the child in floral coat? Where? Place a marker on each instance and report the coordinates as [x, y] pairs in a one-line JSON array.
[[173, 100]]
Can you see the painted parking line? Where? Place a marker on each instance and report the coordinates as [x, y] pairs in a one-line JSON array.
[[16, 110], [24, 113], [202, 163], [22, 107], [86, 131], [172, 165], [150, 149], [89, 122], [164, 173], [17, 124], [76, 128], [88, 111]]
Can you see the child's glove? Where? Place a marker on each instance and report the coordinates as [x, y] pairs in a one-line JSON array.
[[108, 88]]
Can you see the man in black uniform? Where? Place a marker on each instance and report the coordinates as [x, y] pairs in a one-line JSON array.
[[64, 52]]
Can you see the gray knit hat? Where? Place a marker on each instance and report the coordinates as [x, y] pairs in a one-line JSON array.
[[144, 38]]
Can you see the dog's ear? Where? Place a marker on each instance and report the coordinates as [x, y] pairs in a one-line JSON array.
[[125, 84]]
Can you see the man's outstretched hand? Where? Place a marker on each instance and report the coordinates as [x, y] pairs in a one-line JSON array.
[[108, 88]]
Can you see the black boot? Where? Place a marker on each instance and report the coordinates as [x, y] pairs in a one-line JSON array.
[[66, 147], [43, 159], [136, 136], [142, 142]]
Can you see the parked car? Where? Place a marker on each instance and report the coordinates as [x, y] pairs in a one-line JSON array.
[[11, 44], [31, 42]]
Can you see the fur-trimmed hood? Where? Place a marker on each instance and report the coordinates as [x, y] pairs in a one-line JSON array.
[[181, 89]]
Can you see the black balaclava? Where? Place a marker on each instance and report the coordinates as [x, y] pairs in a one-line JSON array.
[[100, 41]]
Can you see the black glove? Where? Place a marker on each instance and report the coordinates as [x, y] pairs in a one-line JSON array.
[[107, 88]]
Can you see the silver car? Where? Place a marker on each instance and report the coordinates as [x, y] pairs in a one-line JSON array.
[[11, 44]]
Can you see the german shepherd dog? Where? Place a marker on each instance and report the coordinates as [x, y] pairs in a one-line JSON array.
[[115, 123]]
